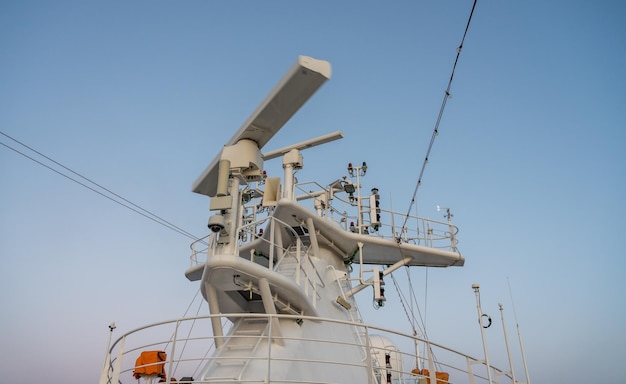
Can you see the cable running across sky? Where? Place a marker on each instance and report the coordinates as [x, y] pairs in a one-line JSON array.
[[436, 130], [125, 202]]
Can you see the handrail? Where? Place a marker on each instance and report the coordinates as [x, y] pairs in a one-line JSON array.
[[127, 347], [313, 279], [419, 230], [434, 233]]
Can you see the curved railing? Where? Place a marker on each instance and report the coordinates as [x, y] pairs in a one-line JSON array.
[[190, 347], [417, 230], [393, 225]]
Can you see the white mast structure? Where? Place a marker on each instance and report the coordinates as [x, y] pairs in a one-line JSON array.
[[248, 277], [277, 274]]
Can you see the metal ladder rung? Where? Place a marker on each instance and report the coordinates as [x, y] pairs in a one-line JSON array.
[[255, 320], [247, 332], [231, 363], [241, 347]]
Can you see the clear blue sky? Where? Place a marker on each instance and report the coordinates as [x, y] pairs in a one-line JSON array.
[[139, 96]]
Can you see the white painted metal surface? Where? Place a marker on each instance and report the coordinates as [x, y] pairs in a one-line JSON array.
[[291, 92], [277, 275], [251, 353]]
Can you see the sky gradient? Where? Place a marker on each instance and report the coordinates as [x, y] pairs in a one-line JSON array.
[[140, 96]]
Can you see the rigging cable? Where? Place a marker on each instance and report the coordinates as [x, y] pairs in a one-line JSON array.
[[409, 312], [191, 328], [436, 130], [412, 318], [130, 205], [415, 325]]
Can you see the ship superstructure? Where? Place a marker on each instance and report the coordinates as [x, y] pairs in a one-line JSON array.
[[281, 267]]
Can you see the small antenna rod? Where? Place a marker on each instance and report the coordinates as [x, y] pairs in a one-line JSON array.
[[519, 334], [506, 341]]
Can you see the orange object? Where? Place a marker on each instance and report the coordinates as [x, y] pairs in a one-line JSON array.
[[150, 363], [442, 377]]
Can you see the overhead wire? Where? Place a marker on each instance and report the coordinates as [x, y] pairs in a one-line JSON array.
[[412, 316], [409, 311], [438, 121], [113, 196]]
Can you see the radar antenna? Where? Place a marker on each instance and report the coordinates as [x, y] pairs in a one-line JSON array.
[[241, 161], [291, 92]]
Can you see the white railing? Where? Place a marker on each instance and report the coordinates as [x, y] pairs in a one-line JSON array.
[[306, 273], [421, 231], [393, 225], [189, 347], [418, 230]]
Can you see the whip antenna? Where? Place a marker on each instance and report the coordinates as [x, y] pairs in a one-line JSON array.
[[436, 130], [519, 333]]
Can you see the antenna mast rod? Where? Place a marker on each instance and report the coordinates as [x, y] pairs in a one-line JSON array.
[[476, 289], [519, 334], [506, 341]]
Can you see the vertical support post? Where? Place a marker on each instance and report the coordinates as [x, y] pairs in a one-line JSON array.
[[268, 376], [453, 247], [519, 334], [298, 260], [470, 373], [278, 238], [313, 236], [476, 288], [272, 245], [368, 353], [288, 177], [291, 160], [214, 310], [117, 367], [418, 363], [105, 368], [222, 177], [235, 216], [170, 367], [431, 365], [361, 278], [270, 309], [107, 356], [231, 219], [506, 342]]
